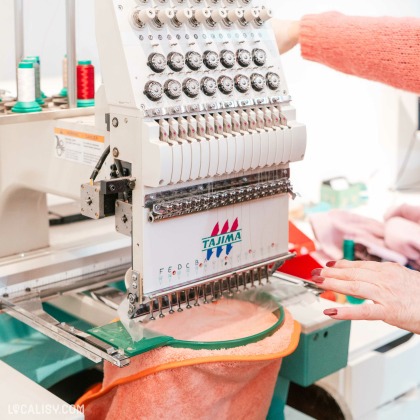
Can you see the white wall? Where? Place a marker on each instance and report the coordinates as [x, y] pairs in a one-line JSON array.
[[343, 113]]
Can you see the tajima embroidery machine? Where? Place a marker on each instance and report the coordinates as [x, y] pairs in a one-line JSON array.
[[195, 118]]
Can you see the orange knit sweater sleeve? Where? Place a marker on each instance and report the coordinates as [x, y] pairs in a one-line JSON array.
[[384, 49]]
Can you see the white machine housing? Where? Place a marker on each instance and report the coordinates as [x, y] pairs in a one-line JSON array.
[[182, 148]]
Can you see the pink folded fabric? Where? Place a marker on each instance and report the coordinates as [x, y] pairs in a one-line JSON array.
[[404, 236], [332, 227], [235, 383], [397, 239], [405, 211]]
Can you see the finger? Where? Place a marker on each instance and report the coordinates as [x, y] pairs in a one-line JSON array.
[[353, 288], [367, 265], [367, 311], [349, 274]]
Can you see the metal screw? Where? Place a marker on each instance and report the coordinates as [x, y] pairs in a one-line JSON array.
[[115, 122], [112, 187], [131, 298], [131, 185], [115, 152], [134, 285]]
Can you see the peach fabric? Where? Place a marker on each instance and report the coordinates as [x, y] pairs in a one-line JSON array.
[[383, 49], [233, 383]]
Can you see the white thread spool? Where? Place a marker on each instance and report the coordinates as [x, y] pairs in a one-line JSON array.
[[26, 82], [37, 80], [201, 15], [184, 15], [251, 14], [265, 14], [218, 15], [38, 93], [235, 14]]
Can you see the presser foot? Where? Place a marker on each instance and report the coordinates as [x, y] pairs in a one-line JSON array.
[[207, 293]]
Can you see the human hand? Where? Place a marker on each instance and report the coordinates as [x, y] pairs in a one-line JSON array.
[[286, 33], [395, 291]]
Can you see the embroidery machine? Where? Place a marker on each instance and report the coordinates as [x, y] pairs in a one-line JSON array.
[[195, 118]]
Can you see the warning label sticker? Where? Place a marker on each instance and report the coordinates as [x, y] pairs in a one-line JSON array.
[[78, 147]]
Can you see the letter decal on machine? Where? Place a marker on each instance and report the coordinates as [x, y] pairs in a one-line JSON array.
[[218, 241], [78, 147]]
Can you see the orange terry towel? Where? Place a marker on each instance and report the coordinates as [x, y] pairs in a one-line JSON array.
[[235, 383]]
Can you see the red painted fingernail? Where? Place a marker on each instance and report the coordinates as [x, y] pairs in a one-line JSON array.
[[331, 263], [316, 272], [330, 312], [318, 279]]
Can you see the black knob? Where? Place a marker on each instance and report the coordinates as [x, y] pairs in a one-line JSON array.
[[225, 84], [227, 58], [157, 62], [208, 86], [176, 61], [257, 82], [259, 56], [211, 59], [153, 90], [242, 83], [173, 88], [191, 87], [273, 81], [243, 57], [193, 60]]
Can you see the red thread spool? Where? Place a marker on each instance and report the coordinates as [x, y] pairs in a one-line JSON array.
[[85, 83]]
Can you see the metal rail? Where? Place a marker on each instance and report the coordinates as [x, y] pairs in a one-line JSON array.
[[19, 34], [71, 52], [26, 306]]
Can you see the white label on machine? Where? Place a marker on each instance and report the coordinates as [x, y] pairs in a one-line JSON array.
[[77, 146]]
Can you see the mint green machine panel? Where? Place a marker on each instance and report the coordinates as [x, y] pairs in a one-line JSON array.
[[319, 354]]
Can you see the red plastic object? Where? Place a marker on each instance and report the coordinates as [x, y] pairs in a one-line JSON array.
[[302, 265], [300, 243]]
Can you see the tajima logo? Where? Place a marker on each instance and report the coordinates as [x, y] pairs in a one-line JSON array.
[[226, 238]]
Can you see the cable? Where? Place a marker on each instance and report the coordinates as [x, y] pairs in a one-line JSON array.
[[99, 164]]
